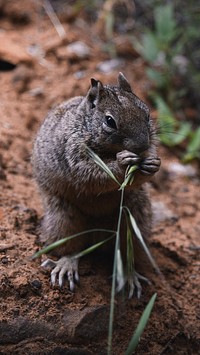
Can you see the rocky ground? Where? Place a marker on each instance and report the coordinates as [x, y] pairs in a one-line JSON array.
[[40, 69]]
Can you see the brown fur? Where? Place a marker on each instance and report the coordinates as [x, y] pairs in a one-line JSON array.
[[77, 194]]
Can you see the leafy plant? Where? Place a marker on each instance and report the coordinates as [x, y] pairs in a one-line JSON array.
[[193, 148], [163, 48]]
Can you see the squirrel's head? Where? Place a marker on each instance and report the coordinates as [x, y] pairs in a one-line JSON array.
[[117, 118]]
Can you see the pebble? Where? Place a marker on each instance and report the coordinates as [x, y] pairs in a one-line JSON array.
[[178, 169], [36, 284], [109, 65], [38, 91], [4, 260], [79, 49], [161, 212]]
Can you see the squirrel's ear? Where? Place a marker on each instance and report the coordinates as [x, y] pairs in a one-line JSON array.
[[94, 92], [94, 82], [123, 83]]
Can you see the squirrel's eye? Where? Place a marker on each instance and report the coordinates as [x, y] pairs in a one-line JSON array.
[[110, 121]]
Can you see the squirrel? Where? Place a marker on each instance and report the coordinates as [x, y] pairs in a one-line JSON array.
[[77, 194]]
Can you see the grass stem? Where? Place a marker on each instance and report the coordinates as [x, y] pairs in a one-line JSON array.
[[117, 247]]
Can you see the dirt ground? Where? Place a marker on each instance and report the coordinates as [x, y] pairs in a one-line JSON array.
[[38, 71]]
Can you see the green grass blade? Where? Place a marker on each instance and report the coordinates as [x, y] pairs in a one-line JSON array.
[[141, 326], [129, 176], [60, 242], [102, 165], [141, 239], [130, 253], [112, 300], [120, 272], [92, 248]]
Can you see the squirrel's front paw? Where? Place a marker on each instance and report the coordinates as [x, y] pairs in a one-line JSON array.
[[126, 158], [150, 165], [65, 266]]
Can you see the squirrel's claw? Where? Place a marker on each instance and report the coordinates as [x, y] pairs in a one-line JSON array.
[[150, 165], [126, 158], [135, 285], [64, 266]]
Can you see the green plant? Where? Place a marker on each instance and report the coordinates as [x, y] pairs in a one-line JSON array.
[[141, 326], [118, 272], [118, 277], [163, 49]]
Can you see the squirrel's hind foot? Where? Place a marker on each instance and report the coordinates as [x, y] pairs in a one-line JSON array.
[[135, 285], [65, 266]]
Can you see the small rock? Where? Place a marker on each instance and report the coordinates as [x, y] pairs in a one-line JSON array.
[[36, 284], [78, 50], [109, 65], [35, 50], [4, 260], [22, 76], [80, 74], [86, 324], [39, 91], [178, 169], [162, 213]]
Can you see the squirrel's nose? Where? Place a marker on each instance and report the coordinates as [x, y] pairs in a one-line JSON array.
[[140, 148], [137, 146]]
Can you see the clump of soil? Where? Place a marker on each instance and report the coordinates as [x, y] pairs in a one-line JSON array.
[[38, 71]]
